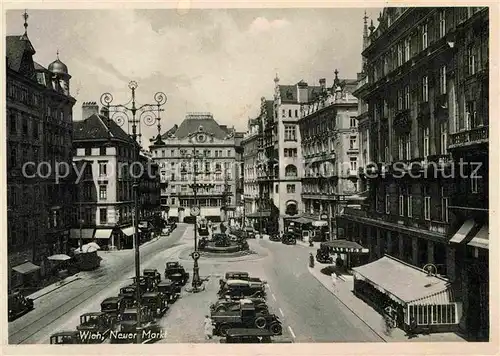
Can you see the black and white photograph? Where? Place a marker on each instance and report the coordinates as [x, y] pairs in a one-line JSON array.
[[248, 175]]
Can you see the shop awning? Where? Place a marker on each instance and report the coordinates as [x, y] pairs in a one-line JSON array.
[[319, 223], [481, 240], [86, 233], [129, 231], [302, 220], [59, 257], [26, 268], [403, 283], [462, 233], [344, 246], [103, 234], [264, 214]]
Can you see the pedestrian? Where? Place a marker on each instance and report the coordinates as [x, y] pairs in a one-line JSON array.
[[209, 328], [334, 281]]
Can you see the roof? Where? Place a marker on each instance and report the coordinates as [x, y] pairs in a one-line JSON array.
[[192, 123], [289, 93], [15, 49], [111, 300], [236, 282], [95, 128], [404, 283]]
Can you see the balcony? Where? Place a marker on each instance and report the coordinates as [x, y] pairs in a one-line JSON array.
[[475, 136]]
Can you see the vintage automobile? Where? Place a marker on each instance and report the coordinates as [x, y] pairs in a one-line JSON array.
[[223, 305], [128, 296], [65, 337], [169, 291], [128, 327], [245, 317], [239, 289], [113, 306], [176, 273], [146, 284], [152, 274], [237, 275], [323, 255], [155, 302], [289, 239], [249, 232], [19, 305], [247, 336], [95, 327]]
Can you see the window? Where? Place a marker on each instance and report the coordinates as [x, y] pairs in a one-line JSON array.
[[427, 204], [172, 201], [35, 129], [102, 169], [407, 49], [400, 100], [400, 54], [290, 133], [444, 138], [444, 209], [407, 97], [354, 122], [229, 153], [442, 23], [13, 157], [289, 113], [276, 189], [474, 180], [424, 37], [401, 205], [404, 147], [291, 171], [13, 124], [426, 141], [290, 188], [470, 115], [103, 215], [296, 113], [283, 113], [471, 55], [88, 151], [442, 80], [387, 204], [354, 163], [409, 205], [25, 126], [102, 151], [434, 314], [425, 88], [103, 192], [352, 142]]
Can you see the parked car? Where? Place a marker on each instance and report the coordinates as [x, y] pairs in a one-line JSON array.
[[245, 317], [169, 291], [128, 327], [95, 327], [247, 336], [323, 256], [65, 337], [289, 239], [239, 289], [223, 305], [155, 302], [153, 274], [146, 284], [113, 306], [128, 296], [176, 273], [237, 275], [19, 305]]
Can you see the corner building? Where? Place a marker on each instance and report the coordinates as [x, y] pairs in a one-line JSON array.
[[424, 108]]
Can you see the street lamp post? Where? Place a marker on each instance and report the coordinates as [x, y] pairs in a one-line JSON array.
[[149, 114]]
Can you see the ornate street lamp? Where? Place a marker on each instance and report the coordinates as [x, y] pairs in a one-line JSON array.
[[133, 115]]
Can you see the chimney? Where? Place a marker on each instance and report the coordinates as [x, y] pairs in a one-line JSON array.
[[322, 83], [105, 112], [89, 108]]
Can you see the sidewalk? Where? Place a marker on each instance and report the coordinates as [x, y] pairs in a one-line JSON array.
[[343, 292], [52, 287]]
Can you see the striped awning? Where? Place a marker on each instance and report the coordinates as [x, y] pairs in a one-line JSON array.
[[344, 246], [482, 238], [464, 230]]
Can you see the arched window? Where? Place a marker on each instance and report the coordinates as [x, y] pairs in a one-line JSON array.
[[291, 208], [291, 171]]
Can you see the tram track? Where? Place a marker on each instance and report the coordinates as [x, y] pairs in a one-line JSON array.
[[27, 331]]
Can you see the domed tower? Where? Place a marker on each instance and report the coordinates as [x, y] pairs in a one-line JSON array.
[[61, 76]]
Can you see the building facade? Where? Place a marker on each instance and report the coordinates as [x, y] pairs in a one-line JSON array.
[[198, 144], [39, 113], [329, 145], [250, 145], [104, 200], [424, 94]]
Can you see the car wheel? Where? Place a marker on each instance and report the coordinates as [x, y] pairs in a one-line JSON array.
[[260, 322], [276, 328], [223, 328]]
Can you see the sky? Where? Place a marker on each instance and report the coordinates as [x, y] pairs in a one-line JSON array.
[[220, 61]]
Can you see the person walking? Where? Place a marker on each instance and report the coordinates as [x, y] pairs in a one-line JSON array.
[[209, 328], [334, 281]]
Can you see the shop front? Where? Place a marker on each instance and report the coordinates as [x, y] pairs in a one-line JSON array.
[[87, 235], [104, 238], [346, 253], [422, 301]]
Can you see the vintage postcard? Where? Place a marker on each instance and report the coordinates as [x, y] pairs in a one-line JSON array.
[[313, 177]]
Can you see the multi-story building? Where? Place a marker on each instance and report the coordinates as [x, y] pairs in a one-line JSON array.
[[149, 187], [250, 146], [286, 158], [39, 114], [104, 201], [329, 145], [199, 144], [425, 84]]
